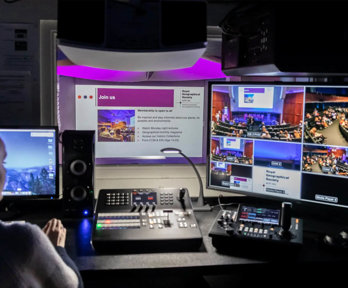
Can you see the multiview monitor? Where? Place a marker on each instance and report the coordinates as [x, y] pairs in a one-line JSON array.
[[31, 163], [284, 141]]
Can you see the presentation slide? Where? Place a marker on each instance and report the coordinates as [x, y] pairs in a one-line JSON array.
[[241, 183], [231, 143], [277, 182], [254, 97], [138, 121]]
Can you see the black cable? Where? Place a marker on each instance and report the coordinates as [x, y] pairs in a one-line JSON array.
[[11, 1]]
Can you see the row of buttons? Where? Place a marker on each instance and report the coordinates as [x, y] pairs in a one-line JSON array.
[[253, 230], [117, 199], [166, 198], [118, 215]]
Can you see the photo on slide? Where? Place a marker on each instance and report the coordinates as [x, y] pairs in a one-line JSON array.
[[116, 125]]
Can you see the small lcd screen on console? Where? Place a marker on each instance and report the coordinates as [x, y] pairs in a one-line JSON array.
[[144, 198], [259, 215]]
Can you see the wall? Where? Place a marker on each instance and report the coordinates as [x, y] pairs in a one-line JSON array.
[[293, 108], [220, 100], [22, 14], [152, 176]]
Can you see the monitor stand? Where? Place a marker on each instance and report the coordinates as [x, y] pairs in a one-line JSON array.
[[8, 211]]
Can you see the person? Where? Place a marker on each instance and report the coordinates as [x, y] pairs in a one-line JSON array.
[[217, 116], [31, 257], [318, 136]]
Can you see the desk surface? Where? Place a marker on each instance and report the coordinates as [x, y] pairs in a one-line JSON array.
[[205, 261]]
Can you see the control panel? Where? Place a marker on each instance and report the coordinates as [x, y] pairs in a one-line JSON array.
[[145, 220], [252, 224]]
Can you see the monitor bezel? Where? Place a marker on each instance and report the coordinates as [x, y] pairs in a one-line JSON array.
[[8, 198], [300, 204]]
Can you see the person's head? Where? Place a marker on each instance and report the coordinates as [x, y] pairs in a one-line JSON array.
[[2, 168]]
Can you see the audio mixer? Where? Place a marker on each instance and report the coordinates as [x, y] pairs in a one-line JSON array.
[[145, 221]]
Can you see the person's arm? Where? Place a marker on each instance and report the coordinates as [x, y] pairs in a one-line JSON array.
[[56, 232], [40, 260], [68, 261]]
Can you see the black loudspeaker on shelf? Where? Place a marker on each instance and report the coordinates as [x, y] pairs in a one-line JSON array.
[[78, 172]]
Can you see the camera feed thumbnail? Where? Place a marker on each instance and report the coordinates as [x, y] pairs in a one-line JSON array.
[[325, 160], [116, 125], [269, 112], [326, 116], [232, 150], [277, 155], [277, 168], [231, 176]]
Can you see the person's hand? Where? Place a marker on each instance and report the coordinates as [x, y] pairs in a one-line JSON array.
[[56, 232]]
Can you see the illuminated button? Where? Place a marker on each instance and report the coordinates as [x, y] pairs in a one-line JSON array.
[[99, 226], [151, 226], [193, 225], [246, 229], [261, 231]]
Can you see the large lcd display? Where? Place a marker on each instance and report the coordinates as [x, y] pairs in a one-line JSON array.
[[31, 162], [291, 145], [136, 122]]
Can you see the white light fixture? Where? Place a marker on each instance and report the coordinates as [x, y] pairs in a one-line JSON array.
[[150, 61]]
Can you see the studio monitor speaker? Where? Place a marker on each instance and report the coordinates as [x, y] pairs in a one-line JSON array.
[[78, 172]]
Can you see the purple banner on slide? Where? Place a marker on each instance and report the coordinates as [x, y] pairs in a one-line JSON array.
[[135, 97], [254, 90], [240, 179]]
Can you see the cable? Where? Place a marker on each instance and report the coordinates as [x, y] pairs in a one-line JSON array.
[[11, 1], [221, 204]]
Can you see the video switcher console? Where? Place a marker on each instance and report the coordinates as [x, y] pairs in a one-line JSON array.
[[145, 221]]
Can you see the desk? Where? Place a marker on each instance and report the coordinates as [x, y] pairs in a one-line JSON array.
[[191, 268]]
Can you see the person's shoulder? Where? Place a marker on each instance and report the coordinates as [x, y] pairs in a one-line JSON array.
[[20, 230], [18, 240]]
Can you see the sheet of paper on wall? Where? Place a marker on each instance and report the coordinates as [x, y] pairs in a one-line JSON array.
[[15, 102], [18, 47], [19, 74]]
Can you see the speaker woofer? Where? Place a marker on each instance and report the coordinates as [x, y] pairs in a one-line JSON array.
[[78, 193], [78, 167]]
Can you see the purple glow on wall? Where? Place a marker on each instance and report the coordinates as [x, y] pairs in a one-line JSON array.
[[203, 69]]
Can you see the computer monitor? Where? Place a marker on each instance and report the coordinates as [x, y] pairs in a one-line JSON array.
[[32, 163], [280, 141]]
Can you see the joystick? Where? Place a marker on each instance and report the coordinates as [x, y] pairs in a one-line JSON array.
[[285, 220]]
